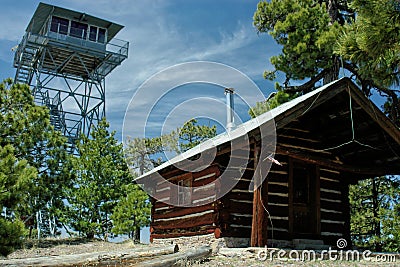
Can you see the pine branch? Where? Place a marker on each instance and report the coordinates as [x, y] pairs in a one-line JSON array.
[[308, 85]]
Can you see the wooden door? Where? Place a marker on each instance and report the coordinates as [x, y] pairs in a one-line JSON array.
[[304, 208]]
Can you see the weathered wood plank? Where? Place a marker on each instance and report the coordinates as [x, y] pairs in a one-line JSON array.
[[280, 211], [205, 219], [178, 211], [330, 205], [235, 206], [330, 163], [240, 195], [186, 233], [183, 257], [334, 216], [278, 188], [283, 199], [211, 169], [330, 195], [203, 182], [93, 258], [333, 227]]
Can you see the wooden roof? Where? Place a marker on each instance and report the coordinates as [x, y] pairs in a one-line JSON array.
[[360, 139]]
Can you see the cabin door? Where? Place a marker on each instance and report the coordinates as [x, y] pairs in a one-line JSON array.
[[304, 219]]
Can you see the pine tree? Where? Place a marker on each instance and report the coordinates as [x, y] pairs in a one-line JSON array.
[[320, 37], [191, 134], [375, 217], [132, 212], [26, 127], [14, 181], [371, 45], [275, 100], [100, 173], [142, 154]]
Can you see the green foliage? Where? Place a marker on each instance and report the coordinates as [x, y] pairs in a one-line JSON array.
[[303, 29], [31, 153], [320, 37], [14, 180], [100, 173], [132, 211], [279, 98], [143, 154], [26, 127], [191, 134], [15, 176], [372, 41], [11, 234], [375, 213]]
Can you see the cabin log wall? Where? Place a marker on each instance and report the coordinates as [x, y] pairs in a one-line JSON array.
[[236, 212], [170, 221], [333, 205], [278, 199]]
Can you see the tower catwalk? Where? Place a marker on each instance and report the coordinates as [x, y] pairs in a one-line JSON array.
[[64, 57]]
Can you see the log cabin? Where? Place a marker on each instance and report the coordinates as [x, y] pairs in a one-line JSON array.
[[292, 181]]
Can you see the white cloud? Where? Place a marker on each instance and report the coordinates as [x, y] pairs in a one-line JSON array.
[[158, 39]]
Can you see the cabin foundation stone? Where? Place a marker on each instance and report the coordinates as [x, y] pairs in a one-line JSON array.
[[187, 242]]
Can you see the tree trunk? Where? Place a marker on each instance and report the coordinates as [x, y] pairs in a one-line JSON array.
[[333, 72], [333, 11], [90, 235], [136, 238], [377, 223]]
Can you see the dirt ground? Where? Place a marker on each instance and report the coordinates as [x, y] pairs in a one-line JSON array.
[[56, 247]]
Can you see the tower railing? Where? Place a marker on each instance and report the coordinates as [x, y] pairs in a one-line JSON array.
[[66, 63], [111, 54]]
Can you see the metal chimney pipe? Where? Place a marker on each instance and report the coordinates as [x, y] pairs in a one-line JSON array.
[[230, 124]]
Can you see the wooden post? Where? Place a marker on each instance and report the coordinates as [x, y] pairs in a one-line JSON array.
[[259, 223]]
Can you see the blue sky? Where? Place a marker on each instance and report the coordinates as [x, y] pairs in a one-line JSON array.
[[161, 34]]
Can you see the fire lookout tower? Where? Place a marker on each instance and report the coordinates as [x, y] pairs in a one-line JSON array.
[[65, 56]]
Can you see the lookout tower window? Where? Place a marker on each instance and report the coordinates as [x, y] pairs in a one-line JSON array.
[[101, 38], [59, 25], [97, 34], [78, 30]]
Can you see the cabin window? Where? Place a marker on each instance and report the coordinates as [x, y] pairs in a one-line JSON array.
[[185, 191], [59, 25]]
